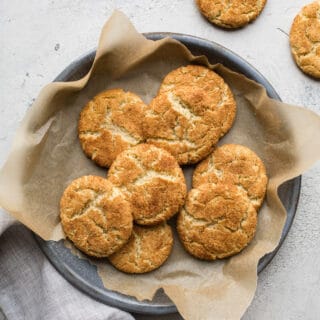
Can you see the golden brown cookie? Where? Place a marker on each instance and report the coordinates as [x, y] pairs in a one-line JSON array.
[[147, 249], [217, 221], [231, 13], [152, 180], [305, 39], [95, 216], [109, 124], [237, 165], [193, 110]]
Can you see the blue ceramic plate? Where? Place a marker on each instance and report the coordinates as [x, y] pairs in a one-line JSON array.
[[81, 273]]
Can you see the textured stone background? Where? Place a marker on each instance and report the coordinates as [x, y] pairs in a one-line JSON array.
[[39, 38]]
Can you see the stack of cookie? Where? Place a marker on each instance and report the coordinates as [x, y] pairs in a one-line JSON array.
[[145, 185], [124, 217], [219, 217], [194, 108]]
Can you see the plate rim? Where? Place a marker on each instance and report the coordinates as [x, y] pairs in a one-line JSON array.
[[139, 306]]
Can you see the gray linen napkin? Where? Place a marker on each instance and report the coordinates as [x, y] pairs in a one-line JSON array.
[[31, 289]]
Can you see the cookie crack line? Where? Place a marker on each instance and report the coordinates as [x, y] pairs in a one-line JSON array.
[[214, 222], [177, 139], [118, 130], [138, 253], [89, 133], [100, 227], [224, 95], [315, 45], [148, 174], [212, 169], [260, 4], [181, 107], [152, 174], [205, 223], [186, 142], [92, 204], [201, 222], [248, 15], [108, 124], [137, 242]]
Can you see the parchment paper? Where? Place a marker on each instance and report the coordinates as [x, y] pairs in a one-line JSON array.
[[46, 156]]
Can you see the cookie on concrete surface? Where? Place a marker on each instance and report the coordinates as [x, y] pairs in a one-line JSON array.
[[152, 180], [234, 164], [109, 124], [305, 39], [95, 216], [147, 249], [217, 221], [231, 13], [192, 111]]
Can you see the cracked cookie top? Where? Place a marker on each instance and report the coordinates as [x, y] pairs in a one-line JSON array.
[[109, 124], [194, 108], [95, 216], [231, 13], [237, 165], [305, 39], [152, 181], [217, 221], [147, 249]]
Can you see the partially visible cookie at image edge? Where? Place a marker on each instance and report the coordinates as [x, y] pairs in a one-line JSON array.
[[231, 13], [95, 216], [305, 39]]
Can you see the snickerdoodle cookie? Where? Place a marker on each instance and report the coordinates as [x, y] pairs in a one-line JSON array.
[[109, 124], [152, 181], [217, 221], [237, 165], [305, 39], [95, 216], [192, 111], [147, 249], [231, 13]]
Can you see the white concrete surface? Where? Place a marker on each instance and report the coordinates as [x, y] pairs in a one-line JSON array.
[[39, 38]]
